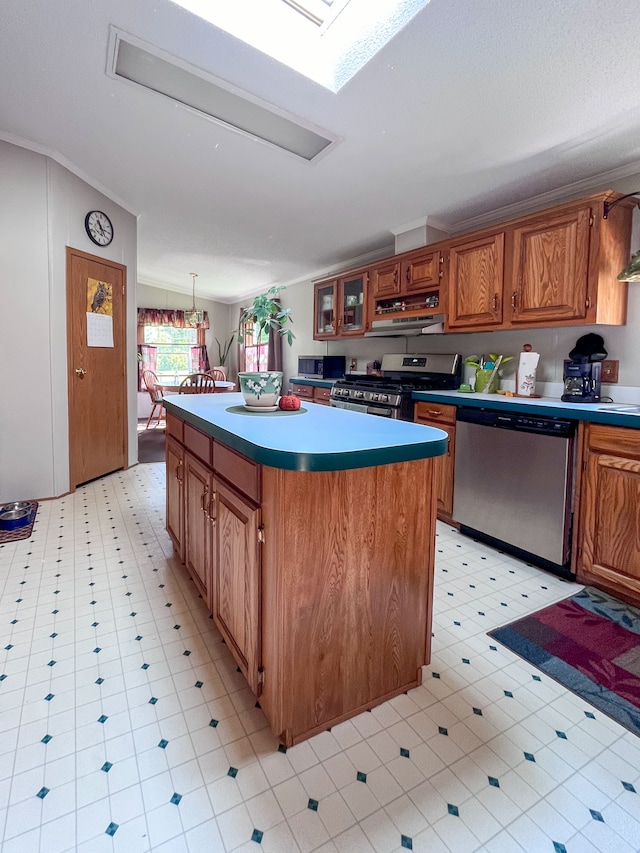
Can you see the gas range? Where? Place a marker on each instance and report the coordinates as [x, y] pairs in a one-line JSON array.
[[389, 395]]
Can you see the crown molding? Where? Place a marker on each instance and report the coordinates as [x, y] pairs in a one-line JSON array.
[[596, 183], [45, 151]]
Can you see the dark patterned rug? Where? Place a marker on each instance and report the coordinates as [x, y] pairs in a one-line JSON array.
[[589, 643], [151, 443]]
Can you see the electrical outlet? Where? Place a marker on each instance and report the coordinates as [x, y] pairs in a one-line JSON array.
[[609, 371], [354, 364]]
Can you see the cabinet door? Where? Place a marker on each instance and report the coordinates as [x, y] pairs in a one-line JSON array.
[[476, 275], [609, 554], [175, 507], [197, 493], [385, 280], [421, 272], [303, 391], [352, 295], [444, 465], [550, 269], [236, 578], [325, 321]]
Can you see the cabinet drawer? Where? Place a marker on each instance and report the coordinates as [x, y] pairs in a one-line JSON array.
[[619, 441], [237, 470], [439, 412], [175, 427], [321, 395], [305, 391], [198, 443]]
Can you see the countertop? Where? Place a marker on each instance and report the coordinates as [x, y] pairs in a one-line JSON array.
[[615, 414], [321, 438]]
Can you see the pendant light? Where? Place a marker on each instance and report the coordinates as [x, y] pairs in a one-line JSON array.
[[193, 317]]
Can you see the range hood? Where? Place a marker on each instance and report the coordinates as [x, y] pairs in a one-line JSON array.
[[425, 324]]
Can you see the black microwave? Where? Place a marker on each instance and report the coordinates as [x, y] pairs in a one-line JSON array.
[[321, 366]]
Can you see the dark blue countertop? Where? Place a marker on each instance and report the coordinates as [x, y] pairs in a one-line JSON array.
[[320, 439], [614, 414]]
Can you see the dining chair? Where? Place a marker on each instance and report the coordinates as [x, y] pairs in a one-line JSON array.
[[155, 393], [197, 383], [218, 376]]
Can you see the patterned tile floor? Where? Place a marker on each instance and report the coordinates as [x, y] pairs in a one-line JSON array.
[[125, 726]]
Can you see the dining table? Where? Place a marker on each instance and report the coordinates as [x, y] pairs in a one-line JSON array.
[[220, 386]]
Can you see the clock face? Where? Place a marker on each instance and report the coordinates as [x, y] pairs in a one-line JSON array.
[[99, 227]]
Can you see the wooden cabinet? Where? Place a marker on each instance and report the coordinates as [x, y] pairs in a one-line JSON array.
[[443, 417], [197, 524], [549, 274], [422, 271], [320, 582], [385, 280], [476, 282], [556, 267], [340, 306], [236, 578], [312, 393], [175, 485], [608, 541]]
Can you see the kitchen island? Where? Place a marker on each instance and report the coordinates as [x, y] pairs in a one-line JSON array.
[[310, 535]]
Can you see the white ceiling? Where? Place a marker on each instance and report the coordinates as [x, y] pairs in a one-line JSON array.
[[472, 106]]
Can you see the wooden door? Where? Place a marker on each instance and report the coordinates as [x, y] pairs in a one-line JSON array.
[[476, 275], [175, 508], [197, 545], [385, 280], [609, 547], [236, 579], [550, 269], [96, 306], [422, 272]]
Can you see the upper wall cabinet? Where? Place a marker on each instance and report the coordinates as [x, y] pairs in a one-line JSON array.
[[557, 267], [339, 307], [476, 279]]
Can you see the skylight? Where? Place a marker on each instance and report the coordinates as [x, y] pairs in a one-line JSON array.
[[328, 41]]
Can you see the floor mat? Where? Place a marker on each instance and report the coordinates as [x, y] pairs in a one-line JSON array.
[[589, 643], [151, 445]]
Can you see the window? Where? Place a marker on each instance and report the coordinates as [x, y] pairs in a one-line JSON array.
[[256, 348], [174, 355]]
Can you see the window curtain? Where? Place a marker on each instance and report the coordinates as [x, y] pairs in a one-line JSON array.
[[166, 317], [200, 359], [274, 354], [146, 361], [242, 362]]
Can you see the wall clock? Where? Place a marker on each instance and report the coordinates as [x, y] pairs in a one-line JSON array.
[[99, 227]]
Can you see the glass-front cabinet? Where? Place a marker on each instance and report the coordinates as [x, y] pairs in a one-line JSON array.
[[339, 308]]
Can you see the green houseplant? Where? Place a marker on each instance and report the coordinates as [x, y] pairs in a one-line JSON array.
[[261, 389], [223, 349]]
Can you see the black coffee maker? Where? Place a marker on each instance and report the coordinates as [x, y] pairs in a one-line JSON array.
[[582, 370]]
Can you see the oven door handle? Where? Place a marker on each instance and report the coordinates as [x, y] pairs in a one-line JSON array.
[[380, 411]]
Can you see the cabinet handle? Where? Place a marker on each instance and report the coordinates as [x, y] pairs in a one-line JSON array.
[[408, 275], [513, 299], [435, 412], [395, 276], [203, 498], [587, 303], [212, 506], [495, 301], [178, 467]]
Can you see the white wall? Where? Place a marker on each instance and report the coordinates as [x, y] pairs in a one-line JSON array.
[[148, 296], [42, 212]]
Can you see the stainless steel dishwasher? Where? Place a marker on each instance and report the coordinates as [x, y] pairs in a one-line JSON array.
[[513, 483]]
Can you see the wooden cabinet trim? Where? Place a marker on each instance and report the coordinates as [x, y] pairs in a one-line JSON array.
[[440, 412], [240, 472], [175, 428], [198, 443]]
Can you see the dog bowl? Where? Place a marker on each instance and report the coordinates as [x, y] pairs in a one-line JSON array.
[[16, 505], [12, 519]]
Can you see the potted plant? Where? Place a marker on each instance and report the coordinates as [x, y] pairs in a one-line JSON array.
[[223, 354], [261, 389]]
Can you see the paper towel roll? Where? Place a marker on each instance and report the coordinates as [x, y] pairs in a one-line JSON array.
[[526, 375]]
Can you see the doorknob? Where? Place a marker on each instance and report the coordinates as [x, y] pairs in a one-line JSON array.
[[80, 371]]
